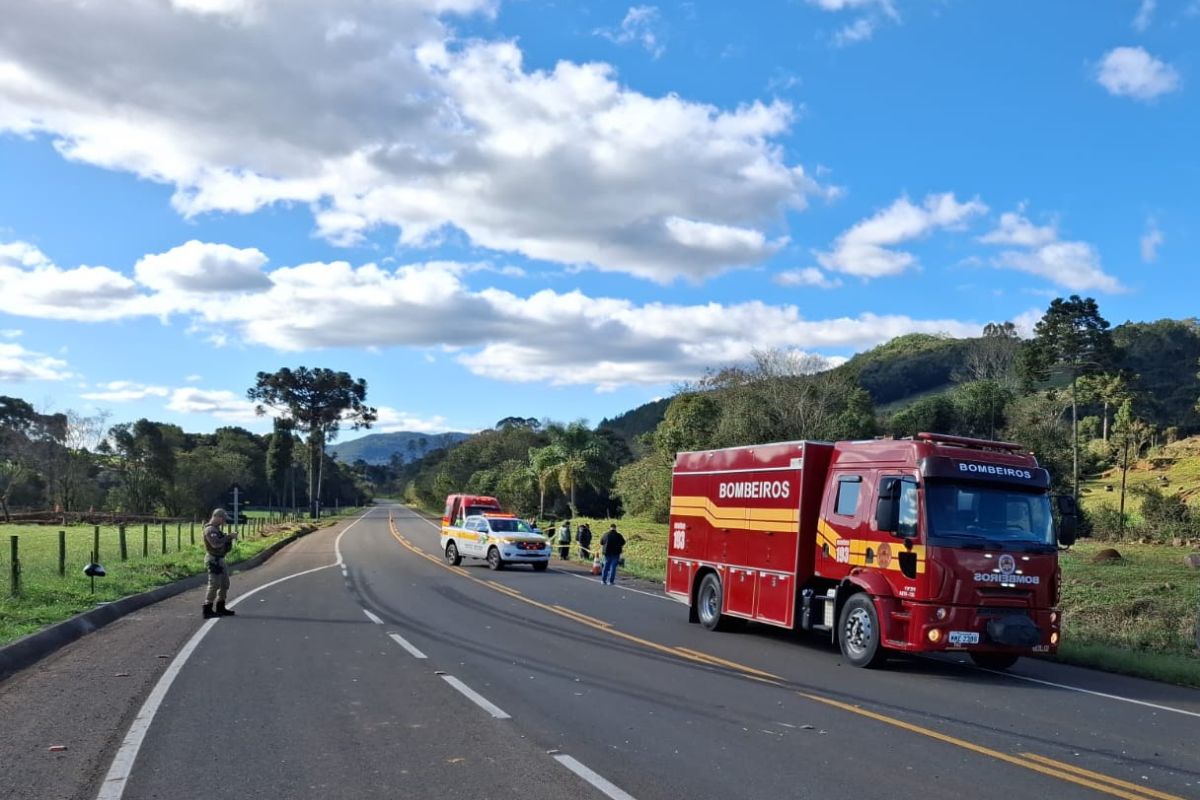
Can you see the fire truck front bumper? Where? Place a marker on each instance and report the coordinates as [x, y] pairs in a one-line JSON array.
[[956, 628]]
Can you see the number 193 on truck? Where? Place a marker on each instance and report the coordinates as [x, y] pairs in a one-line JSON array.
[[930, 544]]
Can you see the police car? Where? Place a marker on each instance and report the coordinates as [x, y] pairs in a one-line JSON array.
[[499, 539]]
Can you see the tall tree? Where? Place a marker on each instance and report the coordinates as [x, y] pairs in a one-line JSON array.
[[1130, 435], [146, 462], [317, 401], [576, 455], [279, 458], [1071, 339], [16, 456]]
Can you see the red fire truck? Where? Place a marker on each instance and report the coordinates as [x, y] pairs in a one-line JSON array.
[[930, 544]]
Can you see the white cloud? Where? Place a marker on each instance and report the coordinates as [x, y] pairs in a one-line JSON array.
[[862, 28], [220, 403], [11, 333], [199, 267], [1026, 321], [1151, 240], [641, 25], [1073, 265], [1132, 72], [809, 276], [30, 285], [863, 250], [194, 378], [124, 392], [548, 336], [1015, 229], [18, 365], [413, 129], [1145, 14]]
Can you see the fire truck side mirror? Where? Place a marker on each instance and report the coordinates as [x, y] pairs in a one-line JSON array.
[[887, 508], [1068, 519]]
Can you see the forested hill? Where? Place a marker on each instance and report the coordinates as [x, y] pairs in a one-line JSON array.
[[378, 448], [635, 422], [1161, 357]]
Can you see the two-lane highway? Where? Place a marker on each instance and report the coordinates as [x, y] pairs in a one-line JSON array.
[[389, 673]]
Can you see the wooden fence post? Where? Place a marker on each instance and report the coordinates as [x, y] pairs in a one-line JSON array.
[[122, 543]]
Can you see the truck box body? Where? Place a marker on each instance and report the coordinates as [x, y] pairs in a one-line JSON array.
[[791, 530]]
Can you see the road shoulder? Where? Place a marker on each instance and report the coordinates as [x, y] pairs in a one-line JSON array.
[[84, 696]]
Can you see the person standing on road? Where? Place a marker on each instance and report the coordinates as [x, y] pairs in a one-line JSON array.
[[564, 540], [217, 545], [584, 537], [612, 544]]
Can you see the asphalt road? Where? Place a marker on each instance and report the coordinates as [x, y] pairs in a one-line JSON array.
[[353, 681]]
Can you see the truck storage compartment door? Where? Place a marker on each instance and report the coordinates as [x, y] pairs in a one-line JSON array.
[[679, 577], [739, 591], [776, 598]]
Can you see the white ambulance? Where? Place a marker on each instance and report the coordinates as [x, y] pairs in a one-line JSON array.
[[499, 539]]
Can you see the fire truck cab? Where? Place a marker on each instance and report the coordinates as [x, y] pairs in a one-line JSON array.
[[928, 544]]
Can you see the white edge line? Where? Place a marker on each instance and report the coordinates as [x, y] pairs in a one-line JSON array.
[[1092, 692], [122, 764], [599, 782], [594, 579], [478, 699], [372, 617], [400, 640]]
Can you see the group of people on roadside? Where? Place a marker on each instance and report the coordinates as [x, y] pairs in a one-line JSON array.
[[612, 544]]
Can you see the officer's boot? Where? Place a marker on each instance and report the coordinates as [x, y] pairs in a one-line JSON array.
[[209, 613], [222, 611]]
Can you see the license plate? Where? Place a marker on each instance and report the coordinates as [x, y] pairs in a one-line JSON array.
[[964, 637]]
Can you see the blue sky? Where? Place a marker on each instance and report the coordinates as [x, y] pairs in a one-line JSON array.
[[514, 207]]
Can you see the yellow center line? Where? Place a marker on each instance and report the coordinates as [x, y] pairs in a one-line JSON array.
[[1109, 785], [1087, 773], [583, 617], [1051, 768], [722, 662]]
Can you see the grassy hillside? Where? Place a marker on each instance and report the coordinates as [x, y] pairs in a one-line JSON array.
[[898, 372], [1174, 469]]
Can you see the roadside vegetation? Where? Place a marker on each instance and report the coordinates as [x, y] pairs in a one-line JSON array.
[[45, 597]]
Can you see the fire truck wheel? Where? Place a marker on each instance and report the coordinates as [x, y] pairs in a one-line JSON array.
[[858, 632], [452, 556], [493, 559], [540, 566], [994, 660], [708, 603]]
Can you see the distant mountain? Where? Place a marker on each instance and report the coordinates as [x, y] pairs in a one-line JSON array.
[[377, 448]]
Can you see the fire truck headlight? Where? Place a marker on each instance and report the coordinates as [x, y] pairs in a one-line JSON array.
[[1053, 617], [935, 635], [1054, 637], [941, 613]]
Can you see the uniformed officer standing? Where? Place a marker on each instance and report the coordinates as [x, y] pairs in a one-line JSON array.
[[217, 544]]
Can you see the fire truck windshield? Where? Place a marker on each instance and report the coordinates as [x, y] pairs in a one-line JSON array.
[[965, 515]]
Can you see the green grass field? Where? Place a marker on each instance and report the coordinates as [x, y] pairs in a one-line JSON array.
[[1137, 616], [46, 597]]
